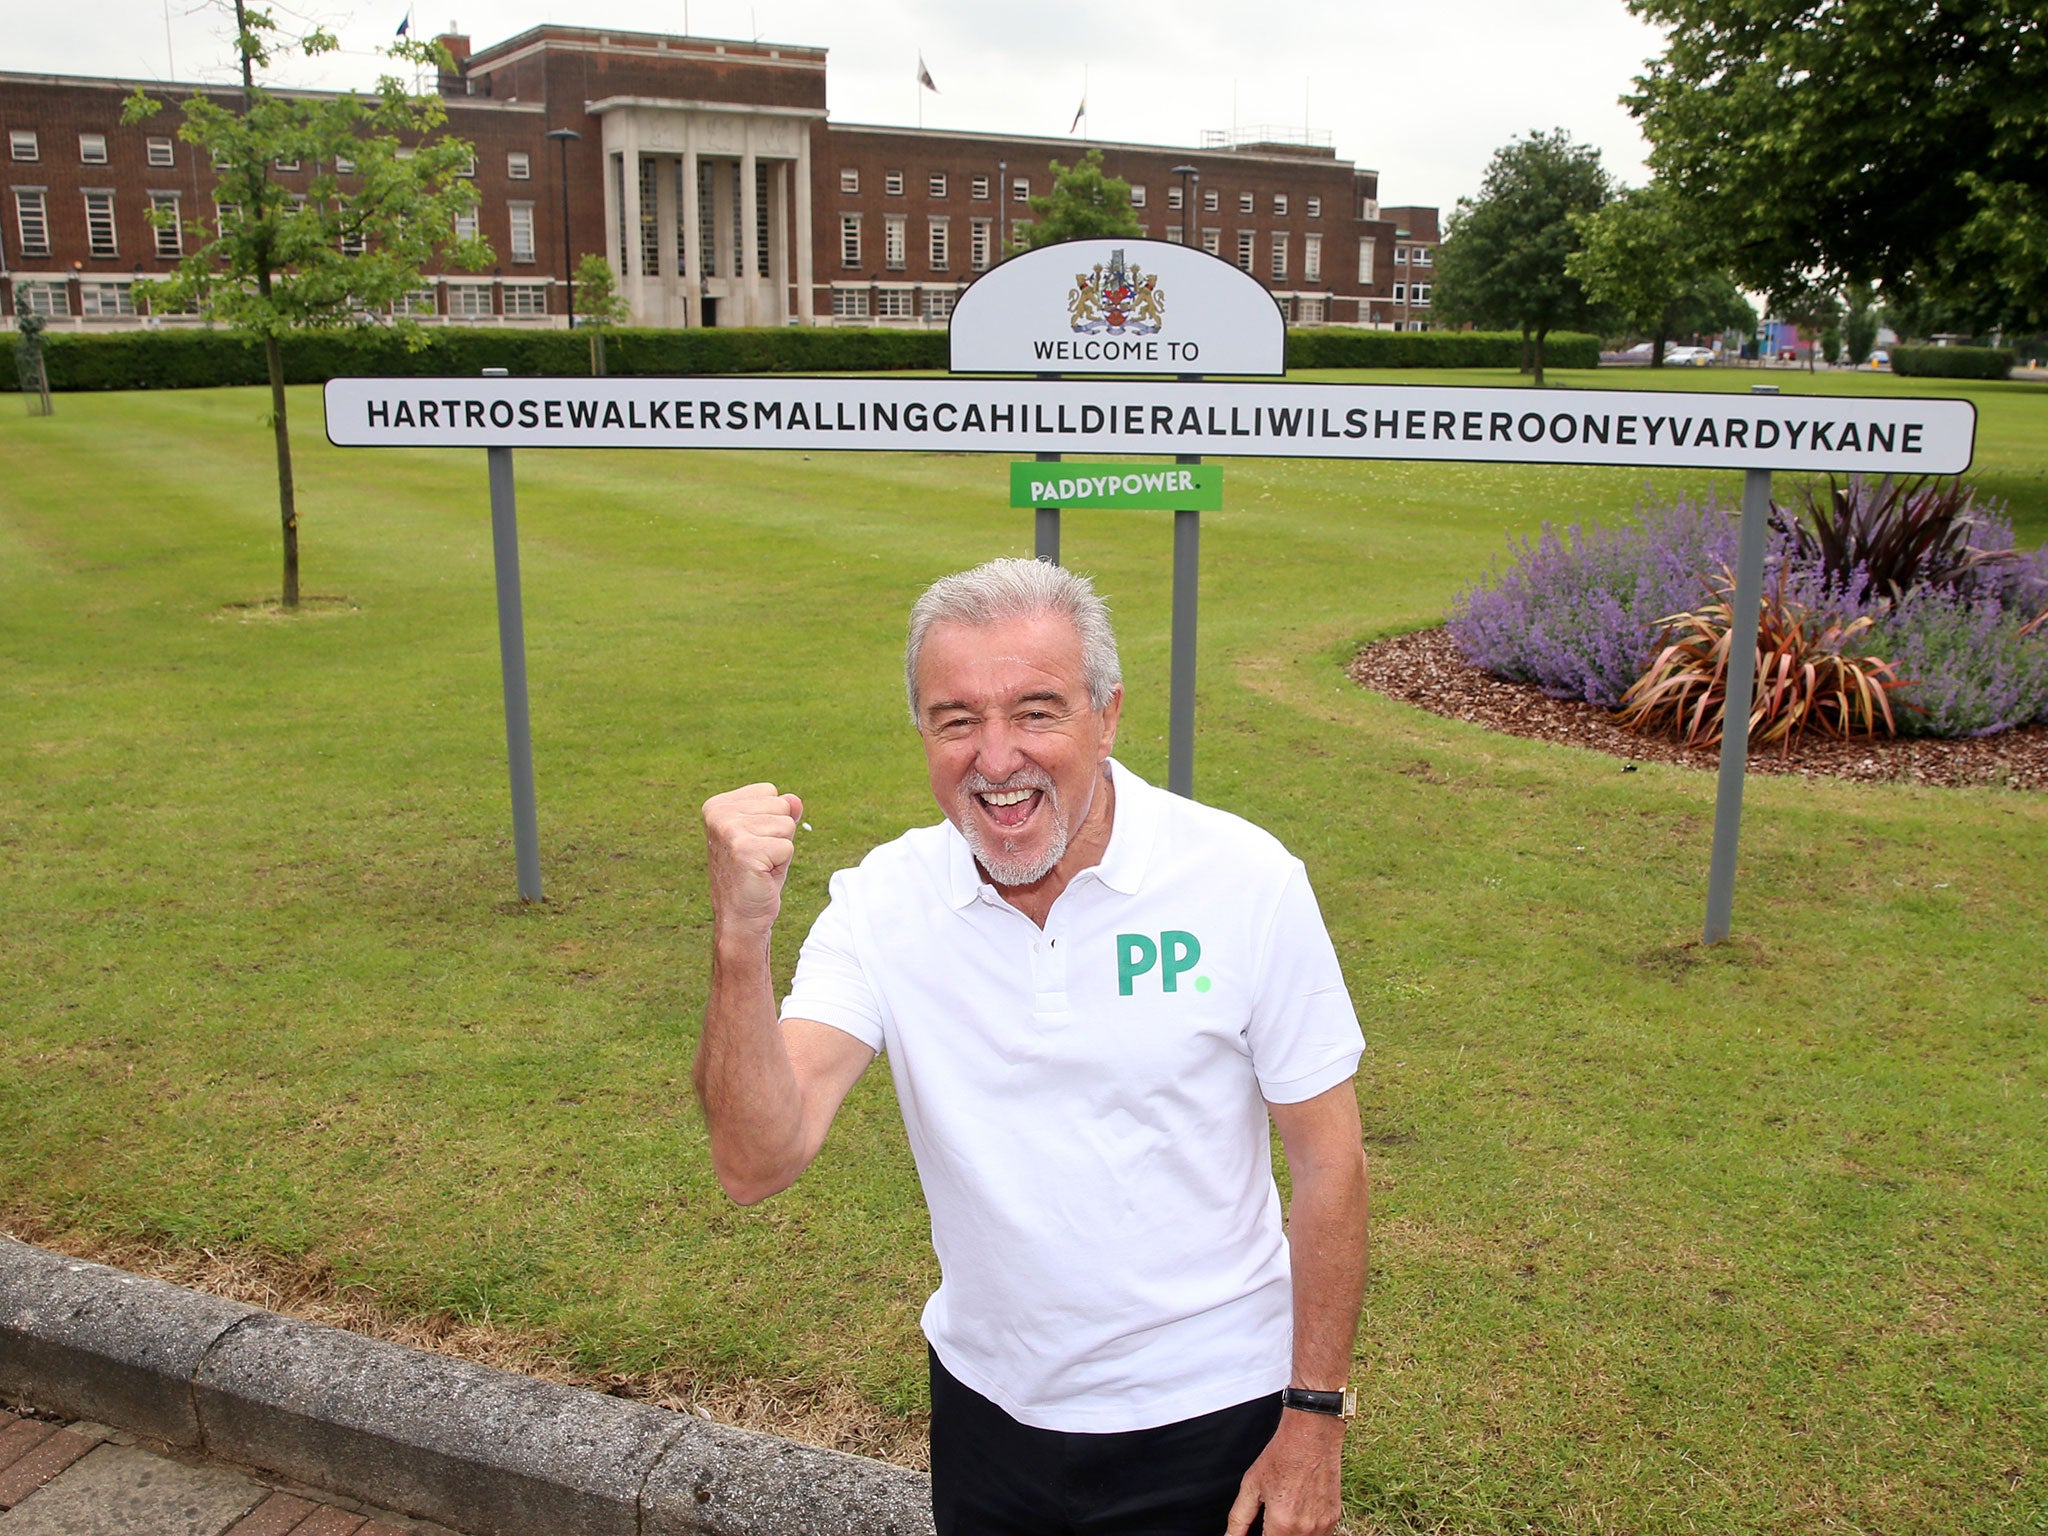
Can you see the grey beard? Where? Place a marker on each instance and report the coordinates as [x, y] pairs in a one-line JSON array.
[[1005, 867]]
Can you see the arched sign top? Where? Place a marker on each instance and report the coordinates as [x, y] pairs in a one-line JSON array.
[[1117, 307]]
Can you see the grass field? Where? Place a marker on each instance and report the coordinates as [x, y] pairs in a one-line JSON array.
[[1751, 1239]]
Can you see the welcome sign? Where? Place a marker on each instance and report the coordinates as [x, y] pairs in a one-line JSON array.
[[1117, 307]]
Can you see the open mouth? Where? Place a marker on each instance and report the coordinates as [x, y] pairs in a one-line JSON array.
[[1009, 808]]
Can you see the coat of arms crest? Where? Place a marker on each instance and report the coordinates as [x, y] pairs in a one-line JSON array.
[[1118, 298]]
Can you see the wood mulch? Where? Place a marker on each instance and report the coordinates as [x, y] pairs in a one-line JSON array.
[[1424, 668]]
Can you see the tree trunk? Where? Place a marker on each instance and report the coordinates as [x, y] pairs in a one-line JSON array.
[[287, 499], [1542, 332], [597, 365], [1527, 358], [1657, 350]]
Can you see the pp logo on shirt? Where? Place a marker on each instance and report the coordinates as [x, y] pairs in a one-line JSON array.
[[1137, 954]]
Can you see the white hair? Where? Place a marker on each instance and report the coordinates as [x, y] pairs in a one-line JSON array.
[[1018, 589]]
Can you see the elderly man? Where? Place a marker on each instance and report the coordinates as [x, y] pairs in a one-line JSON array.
[[1093, 994]]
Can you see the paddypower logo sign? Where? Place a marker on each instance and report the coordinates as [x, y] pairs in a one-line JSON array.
[[1101, 307], [1157, 487], [1173, 955]]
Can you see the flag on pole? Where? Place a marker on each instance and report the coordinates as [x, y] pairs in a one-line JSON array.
[[405, 26], [1079, 112], [924, 76]]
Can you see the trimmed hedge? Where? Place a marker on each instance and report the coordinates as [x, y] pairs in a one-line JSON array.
[[1340, 348], [1952, 362], [194, 359]]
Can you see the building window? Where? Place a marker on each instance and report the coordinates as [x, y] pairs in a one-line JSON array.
[[23, 144], [1018, 233], [849, 179], [1312, 258], [32, 220], [1400, 255], [1308, 311], [980, 236], [170, 234], [892, 184], [1279, 256], [1244, 249], [352, 241], [1137, 197], [1422, 293], [105, 301], [850, 303], [1280, 205], [420, 301], [343, 166], [286, 165], [518, 165], [1212, 241], [893, 304], [92, 148], [849, 240], [1286, 303], [1175, 235], [938, 184], [942, 251], [1400, 293], [50, 297], [225, 215], [1020, 190], [1315, 207], [978, 189], [99, 224], [468, 170], [892, 242], [465, 224], [161, 152], [470, 301], [650, 223], [526, 298], [522, 230], [1173, 200], [1209, 202], [1245, 202], [938, 303], [1365, 246], [1421, 257]]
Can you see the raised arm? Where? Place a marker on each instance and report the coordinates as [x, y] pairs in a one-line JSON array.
[[769, 1089]]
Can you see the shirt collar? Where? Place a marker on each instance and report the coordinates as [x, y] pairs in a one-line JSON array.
[[1122, 868]]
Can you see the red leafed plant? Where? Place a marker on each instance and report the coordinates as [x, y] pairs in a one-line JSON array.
[[1805, 677]]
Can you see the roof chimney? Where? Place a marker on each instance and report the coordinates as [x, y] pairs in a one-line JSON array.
[[457, 44]]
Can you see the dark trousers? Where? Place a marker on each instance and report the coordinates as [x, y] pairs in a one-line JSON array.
[[992, 1476]]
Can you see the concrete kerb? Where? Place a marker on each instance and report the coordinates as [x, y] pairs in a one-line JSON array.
[[478, 1449]]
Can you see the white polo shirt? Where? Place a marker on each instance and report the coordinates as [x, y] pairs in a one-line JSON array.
[[1086, 1102]]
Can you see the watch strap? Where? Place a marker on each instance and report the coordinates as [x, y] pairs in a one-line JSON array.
[[1341, 1404]]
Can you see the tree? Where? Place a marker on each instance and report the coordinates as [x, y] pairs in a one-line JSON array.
[[1084, 204], [1503, 258], [599, 304], [1645, 257], [1886, 141], [381, 200], [1815, 312], [1859, 326]]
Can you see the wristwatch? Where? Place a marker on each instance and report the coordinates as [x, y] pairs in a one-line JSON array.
[[1341, 1404]]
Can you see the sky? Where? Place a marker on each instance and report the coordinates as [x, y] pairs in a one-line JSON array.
[[1422, 92]]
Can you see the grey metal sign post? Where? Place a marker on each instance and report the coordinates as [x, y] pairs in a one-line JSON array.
[[512, 667], [1746, 607]]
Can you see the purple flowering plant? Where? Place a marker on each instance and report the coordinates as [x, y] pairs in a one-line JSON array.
[[1580, 611]]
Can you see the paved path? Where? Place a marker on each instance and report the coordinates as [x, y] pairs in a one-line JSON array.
[[89, 1480]]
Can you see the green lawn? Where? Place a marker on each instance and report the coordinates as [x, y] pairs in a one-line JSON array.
[[1667, 1239]]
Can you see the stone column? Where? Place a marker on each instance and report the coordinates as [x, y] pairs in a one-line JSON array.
[[778, 243], [665, 244], [805, 311], [750, 219], [721, 235], [693, 237]]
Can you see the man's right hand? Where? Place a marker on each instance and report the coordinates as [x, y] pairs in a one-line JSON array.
[[750, 835]]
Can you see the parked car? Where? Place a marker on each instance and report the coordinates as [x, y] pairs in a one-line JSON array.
[[1688, 357]]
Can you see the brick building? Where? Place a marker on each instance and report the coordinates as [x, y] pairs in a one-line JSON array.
[[710, 176]]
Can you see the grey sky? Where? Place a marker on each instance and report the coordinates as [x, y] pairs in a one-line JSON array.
[[1422, 92]]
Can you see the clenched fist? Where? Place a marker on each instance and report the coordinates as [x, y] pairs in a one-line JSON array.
[[751, 837]]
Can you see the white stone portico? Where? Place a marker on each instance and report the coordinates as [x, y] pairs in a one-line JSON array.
[[683, 180]]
